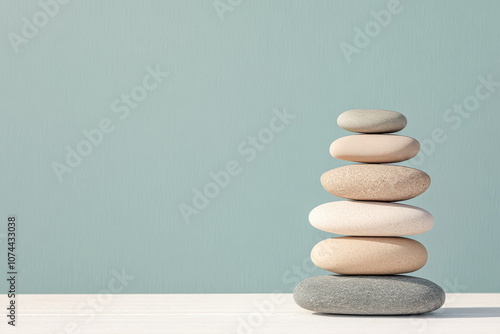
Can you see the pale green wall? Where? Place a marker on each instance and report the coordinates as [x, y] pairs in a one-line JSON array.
[[120, 207]]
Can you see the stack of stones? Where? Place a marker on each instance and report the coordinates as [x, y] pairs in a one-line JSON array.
[[373, 254]]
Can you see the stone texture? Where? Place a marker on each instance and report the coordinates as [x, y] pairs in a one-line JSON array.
[[358, 218], [374, 148], [369, 255], [375, 182], [372, 121], [369, 295]]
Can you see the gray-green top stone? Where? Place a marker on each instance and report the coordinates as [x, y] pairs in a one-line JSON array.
[[369, 295], [372, 121]]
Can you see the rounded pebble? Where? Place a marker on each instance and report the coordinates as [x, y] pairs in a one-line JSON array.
[[358, 218], [369, 255], [372, 121], [369, 182], [374, 148], [369, 295]]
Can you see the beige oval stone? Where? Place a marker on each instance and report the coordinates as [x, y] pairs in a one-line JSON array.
[[369, 255], [375, 148], [375, 182], [360, 218], [372, 121]]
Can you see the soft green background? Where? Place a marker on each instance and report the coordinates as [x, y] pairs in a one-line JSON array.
[[119, 210]]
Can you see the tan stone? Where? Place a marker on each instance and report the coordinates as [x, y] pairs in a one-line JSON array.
[[374, 148], [375, 182], [369, 255]]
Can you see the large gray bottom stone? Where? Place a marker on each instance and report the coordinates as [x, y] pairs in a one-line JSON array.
[[369, 295]]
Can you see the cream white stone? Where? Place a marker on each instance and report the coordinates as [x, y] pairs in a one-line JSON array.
[[371, 218]]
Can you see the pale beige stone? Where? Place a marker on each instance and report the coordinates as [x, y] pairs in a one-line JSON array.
[[372, 121], [374, 148], [370, 182], [369, 255], [360, 218]]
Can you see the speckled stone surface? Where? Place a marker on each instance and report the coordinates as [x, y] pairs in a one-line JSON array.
[[372, 121], [369, 295], [369, 255], [375, 148], [365, 218], [370, 182]]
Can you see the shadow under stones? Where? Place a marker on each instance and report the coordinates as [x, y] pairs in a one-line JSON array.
[[442, 313]]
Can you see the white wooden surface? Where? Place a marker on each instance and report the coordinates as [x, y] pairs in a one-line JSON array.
[[234, 313]]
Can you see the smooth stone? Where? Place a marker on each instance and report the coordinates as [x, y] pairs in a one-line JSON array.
[[369, 255], [372, 121], [370, 182], [369, 295], [375, 148], [370, 218]]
